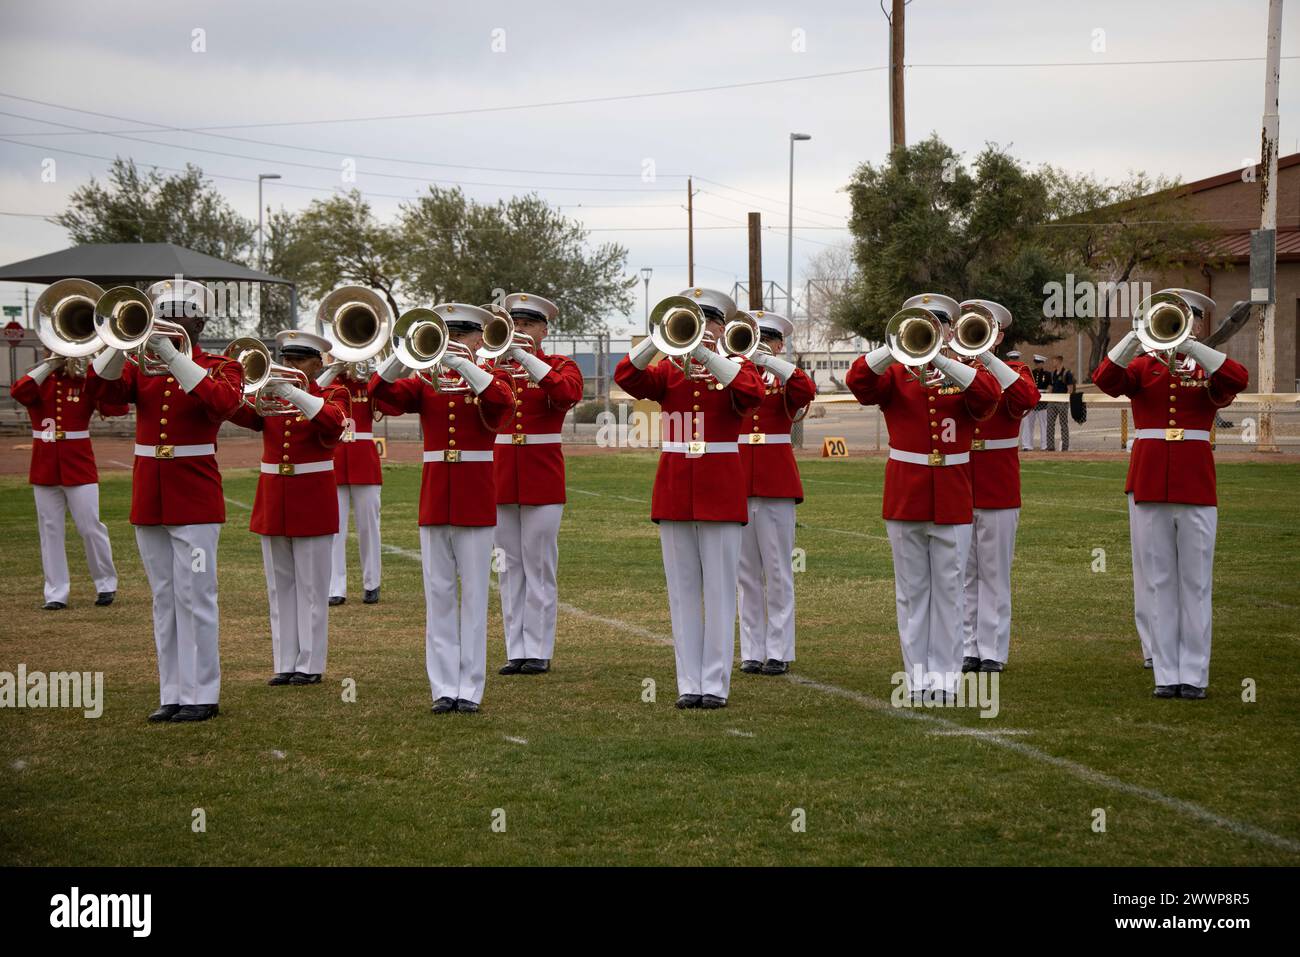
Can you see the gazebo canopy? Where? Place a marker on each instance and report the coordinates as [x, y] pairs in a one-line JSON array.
[[110, 264]]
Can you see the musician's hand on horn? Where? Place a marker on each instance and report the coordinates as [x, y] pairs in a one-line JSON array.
[[163, 348]]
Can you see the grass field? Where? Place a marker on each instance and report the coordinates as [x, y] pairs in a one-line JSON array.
[[588, 773]]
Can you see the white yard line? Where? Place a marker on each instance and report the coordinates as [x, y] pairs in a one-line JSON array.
[[879, 706]]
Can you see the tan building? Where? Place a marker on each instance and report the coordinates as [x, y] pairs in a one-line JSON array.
[[1233, 202]]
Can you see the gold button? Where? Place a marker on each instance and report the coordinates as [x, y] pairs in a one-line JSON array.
[[451, 405], [934, 425], [286, 445], [519, 428], [755, 429], [697, 435], [451, 428], [1172, 422], [170, 380], [167, 392], [1172, 410], [284, 458], [695, 408], [977, 431], [162, 421], [166, 407], [934, 436], [519, 415], [452, 442], [162, 435], [697, 393], [452, 417], [932, 411]]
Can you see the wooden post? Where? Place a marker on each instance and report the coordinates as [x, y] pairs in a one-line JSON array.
[[897, 134], [690, 233], [755, 261], [1123, 428]]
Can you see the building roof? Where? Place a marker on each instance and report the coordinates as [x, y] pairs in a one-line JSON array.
[[113, 263], [1235, 246]]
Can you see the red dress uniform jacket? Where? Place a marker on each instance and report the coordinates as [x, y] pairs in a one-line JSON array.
[[289, 503], [182, 490], [1160, 471], [915, 415], [995, 473], [60, 405], [697, 488], [356, 461], [534, 474], [454, 492], [770, 469]]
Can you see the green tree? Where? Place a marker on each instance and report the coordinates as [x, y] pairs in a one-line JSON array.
[[138, 207], [924, 222], [456, 249]]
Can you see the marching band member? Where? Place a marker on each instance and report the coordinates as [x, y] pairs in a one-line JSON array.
[[529, 467], [774, 489], [995, 476], [1173, 508], [928, 497], [177, 506], [63, 476], [360, 478], [699, 496], [457, 502], [294, 510]]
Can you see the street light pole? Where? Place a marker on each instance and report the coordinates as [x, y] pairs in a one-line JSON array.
[[789, 245], [646, 272]]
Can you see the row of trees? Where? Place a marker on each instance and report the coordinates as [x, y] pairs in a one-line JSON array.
[[441, 247]]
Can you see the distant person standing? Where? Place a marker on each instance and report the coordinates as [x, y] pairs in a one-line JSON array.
[[1036, 420], [1062, 383]]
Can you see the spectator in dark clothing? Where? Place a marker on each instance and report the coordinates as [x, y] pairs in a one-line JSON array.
[[1062, 383]]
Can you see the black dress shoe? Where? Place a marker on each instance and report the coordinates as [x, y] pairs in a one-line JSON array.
[[283, 678], [54, 606], [511, 667], [1165, 691], [298, 678], [444, 705], [970, 663], [165, 712], [105, 598], [465, 706], [535, 666], [371, 597], [1147, 664], [689, 701], [195, 712], [336, 600], [711, 702], [988, 664], [774, 666], [1191, 691], [751, 667]]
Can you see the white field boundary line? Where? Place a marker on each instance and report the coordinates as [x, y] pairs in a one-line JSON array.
[[879, 706]]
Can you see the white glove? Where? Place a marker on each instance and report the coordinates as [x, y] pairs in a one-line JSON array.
[[478, 378], [163, 348], [307, 403], [187, 372], [958, 372], [393, 369], [878, 360], [108, 364], [642, 353], [781, 368], [723, 369], [1125, 351], [1207, 358], [329, 374], [42, 371], [537, 368], [1005, 375]]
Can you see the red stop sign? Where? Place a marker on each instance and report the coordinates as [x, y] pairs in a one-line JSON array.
[[14, 332]]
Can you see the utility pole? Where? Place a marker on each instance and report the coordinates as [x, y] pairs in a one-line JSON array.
[[690, 233], [755, 261], [897, 135], [1268, 221], [27, 306]]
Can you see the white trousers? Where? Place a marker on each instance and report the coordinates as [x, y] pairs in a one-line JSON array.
[[529, 539], [181, 563], [297, 583], [455, 632], [52, 504], [364, 501], [1035, 421], [1175, 549], [928, 579], [767, 581], [701, 565], [1141, 606], [988, 583]]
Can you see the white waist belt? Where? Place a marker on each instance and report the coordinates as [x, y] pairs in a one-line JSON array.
[[361, 437], [983, 445], [296, 468], [458, 455], [700, 448], [58, 434], [521, 438], [933, 458], [1173, 435], [174, 451], [766, 438]]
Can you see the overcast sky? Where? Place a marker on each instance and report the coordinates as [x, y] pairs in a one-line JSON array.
[[270, 71]]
